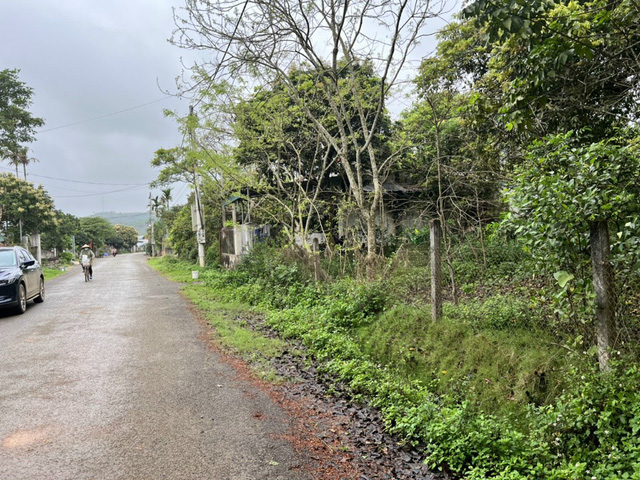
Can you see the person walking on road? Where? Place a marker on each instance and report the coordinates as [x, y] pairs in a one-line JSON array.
[[86, 255]]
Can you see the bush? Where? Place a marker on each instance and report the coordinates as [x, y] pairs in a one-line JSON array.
[[349, 303], [484, 397], [66, 257]]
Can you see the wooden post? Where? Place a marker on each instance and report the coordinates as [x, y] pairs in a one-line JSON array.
[[603, 286], [435, 235]]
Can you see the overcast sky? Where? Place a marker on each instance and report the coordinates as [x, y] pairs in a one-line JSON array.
[[87, 59], [94, 58]]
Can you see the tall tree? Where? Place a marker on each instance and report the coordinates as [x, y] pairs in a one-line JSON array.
[[60, 234], [95, 230], [564, 65], [128, 235], [267, 39], [568, 72], [17, 124], [23, 203]]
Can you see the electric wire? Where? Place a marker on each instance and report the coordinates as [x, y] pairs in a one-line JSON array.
[[101, 193], [80, 181], [105, 116]]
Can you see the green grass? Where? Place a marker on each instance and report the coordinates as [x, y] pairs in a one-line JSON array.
[[50, 273], [174, 269], [497, 370], [490, 391]]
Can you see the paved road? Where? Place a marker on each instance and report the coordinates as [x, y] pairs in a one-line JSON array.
[[108, 380]]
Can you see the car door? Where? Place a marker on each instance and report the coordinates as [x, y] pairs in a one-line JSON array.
[[32, 279]]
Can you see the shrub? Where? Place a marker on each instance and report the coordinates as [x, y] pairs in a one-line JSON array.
[[349, 302]]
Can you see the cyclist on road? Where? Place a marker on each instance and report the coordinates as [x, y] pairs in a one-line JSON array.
[[86, 255]]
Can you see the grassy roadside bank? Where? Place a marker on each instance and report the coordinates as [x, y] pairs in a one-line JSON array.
[[51, 273], [482, 400]]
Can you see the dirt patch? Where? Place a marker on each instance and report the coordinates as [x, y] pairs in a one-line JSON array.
[[27, 438]]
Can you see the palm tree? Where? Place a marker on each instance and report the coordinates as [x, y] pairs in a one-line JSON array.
[[166, 197], [19, 157], [15, 157], [24, 160]]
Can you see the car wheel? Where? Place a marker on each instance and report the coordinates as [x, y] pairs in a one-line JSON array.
[[40, 297], [22, 300]]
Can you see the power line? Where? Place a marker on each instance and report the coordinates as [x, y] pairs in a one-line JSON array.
[[104, 116], [101, 193], [91, 183], [127, 215], [80, 181]]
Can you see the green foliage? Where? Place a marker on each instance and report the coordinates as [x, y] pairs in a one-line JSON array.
[[66, 257], [553, 60], [349, 303], [50, 273], [94, 230], [17, 124], [231, 331], [182, 237], [564, 187], [59, 235], [497, 312], [127, 234], [21, 201], [484, 397], [174, 268]]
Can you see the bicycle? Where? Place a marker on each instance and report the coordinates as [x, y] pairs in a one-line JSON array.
[[87, 272]]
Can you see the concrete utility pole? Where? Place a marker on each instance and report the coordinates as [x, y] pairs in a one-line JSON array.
[[200, 232], [151, 222]]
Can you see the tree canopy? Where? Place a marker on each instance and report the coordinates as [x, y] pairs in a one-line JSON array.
[[94, 230], [21, 203], [17, 123]]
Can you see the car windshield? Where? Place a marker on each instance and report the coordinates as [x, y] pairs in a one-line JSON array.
[[7, 258]]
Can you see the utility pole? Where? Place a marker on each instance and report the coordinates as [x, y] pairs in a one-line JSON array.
[[151, 222], [200, 231]]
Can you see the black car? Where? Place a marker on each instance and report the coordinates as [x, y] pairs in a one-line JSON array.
[[21, 279]]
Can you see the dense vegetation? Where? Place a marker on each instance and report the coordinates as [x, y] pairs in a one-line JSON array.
[[497, 389], [521, 148]]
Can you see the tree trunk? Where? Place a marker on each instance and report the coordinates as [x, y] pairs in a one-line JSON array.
[[371, 245], [603, 286], [435, 236]]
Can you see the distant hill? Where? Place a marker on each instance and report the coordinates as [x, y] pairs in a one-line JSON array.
[[137, 220]]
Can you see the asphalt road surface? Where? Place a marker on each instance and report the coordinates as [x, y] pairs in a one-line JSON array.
[[109, 380]]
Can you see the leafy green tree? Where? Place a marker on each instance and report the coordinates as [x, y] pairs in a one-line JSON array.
[[128, 235], [271, 38], [564, 65], [181, 235], [563, 193], [94, 230], [23, 203], [17, 124], [60, 235], [295, 168]]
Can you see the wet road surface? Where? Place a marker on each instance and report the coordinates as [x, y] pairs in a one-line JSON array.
[[109, 380]]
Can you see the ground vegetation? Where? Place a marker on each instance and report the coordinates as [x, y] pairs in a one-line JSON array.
[[17, 124], [520, 147]]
